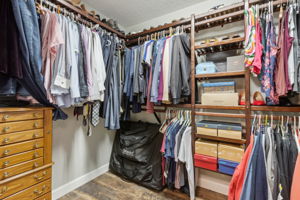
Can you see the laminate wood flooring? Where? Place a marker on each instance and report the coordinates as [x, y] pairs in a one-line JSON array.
[[111, 187]]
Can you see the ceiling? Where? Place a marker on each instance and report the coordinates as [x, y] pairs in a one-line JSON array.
[[132, 12]]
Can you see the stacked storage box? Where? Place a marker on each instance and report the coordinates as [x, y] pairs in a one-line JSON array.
[[216, 156], [219, 94]]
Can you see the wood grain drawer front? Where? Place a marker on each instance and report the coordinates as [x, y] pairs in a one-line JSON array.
[[20, 116], [12, 149], [33, 192], [20, 184], [20, 126], [20, 158], [20, 136], [20, 168], [45, 197]]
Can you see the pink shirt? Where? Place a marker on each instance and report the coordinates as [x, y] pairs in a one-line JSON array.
[[51, 39]]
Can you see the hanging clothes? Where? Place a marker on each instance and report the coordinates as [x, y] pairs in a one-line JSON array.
[[25, 17], [270, 168]]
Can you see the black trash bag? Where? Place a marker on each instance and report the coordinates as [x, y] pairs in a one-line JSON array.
[[136, 154]]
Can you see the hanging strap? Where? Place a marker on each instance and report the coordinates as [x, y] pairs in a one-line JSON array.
[[157, 118]]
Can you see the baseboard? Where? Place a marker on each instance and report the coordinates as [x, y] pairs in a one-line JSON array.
[[209, 195], [65, 189]]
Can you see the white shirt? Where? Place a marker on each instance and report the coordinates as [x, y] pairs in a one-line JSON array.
[[186, 156], [98, 69]]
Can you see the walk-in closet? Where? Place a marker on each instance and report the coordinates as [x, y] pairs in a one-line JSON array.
[[149, 100]]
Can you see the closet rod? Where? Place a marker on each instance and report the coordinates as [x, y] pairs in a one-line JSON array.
[[212, 114], [275, 117], [69, 6]]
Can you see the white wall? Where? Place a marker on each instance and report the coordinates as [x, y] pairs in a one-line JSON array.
[[78, 158]]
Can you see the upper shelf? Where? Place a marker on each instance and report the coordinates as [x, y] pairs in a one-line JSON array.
[[219, 46], [200, 106], [219, 43], [276, 108], [221, 75]]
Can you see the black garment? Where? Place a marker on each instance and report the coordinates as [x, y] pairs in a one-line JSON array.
[[282, 163], [181, 68], [7, 86], [10, 54], [292, 156]]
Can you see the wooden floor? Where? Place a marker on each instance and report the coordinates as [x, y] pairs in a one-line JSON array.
[[110, 187]]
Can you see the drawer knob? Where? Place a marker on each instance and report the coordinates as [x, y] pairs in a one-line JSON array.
[[37, 192], [6, 163], [36, 135], [36, 155], [40, 177], [3, 190], [6, 152], [36, 145], [35, 115], [35, 165], [5, 129], [5, 117], [5, 174], [6, 140], [36, 125]]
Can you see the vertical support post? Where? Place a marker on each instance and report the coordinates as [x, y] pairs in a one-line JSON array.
[[247, 89], [193, 85]]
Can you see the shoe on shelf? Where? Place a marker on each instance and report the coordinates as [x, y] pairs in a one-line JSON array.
[[284, 101], [258, 99], [242, 98]]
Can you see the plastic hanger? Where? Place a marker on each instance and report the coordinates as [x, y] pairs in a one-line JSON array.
[[271, 120]]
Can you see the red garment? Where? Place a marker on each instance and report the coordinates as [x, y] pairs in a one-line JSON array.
[[295, 192], [237, 181], [257, 63], [282, 80]]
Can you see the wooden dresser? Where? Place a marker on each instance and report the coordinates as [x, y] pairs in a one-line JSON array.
[[25, 153]]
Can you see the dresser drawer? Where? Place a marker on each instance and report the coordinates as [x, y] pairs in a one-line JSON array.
[[10, 127], [20, 116], [20, 158], [45, 197], [20, 168], [12, 149], [24, 182], [20, 136], [32, 192]]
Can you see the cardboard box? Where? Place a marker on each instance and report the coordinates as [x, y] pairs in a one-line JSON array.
[[235, 63], [230, 152], [207, 148], [220, 99], [230, 130], [207, 127], [219, 87]]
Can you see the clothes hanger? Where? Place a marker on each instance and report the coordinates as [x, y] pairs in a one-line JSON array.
[[272, 120]]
